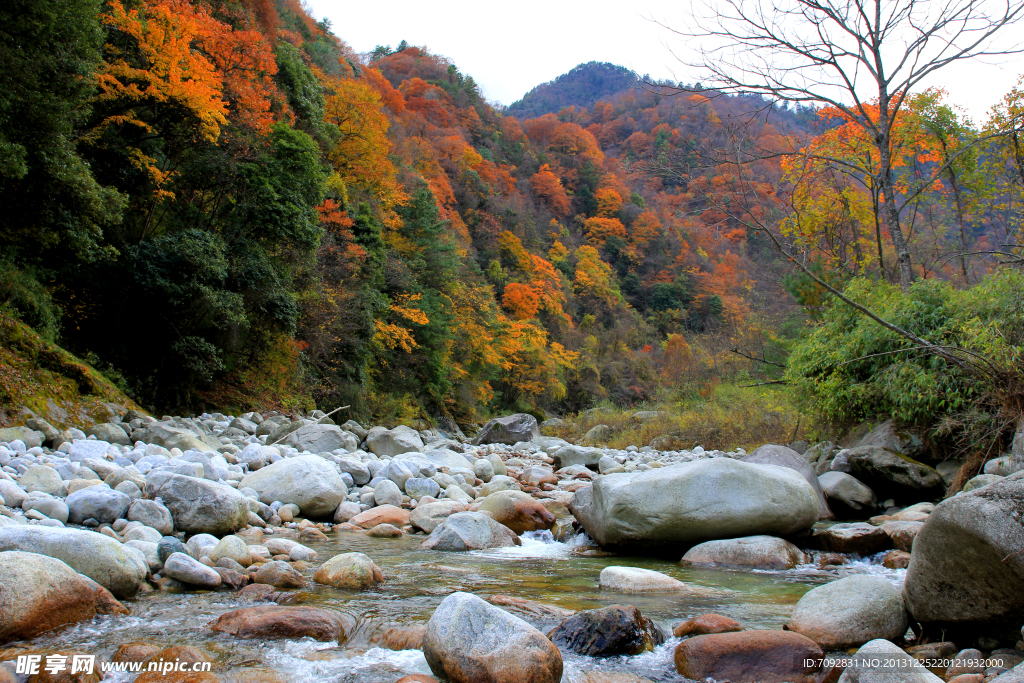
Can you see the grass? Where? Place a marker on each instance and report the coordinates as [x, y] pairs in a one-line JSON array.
[[44, 378], [730, 417]]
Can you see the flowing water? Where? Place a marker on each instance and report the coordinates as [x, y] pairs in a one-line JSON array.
[[417, 580]]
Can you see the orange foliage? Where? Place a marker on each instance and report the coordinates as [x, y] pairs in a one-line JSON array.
[[608, 202], [600, 229], [549, 188], [522, 301]]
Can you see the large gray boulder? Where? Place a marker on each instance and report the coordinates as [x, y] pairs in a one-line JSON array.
[[881, 661], [887, 436], [101, 503], [121, 571], [966, 573], [470, 531], [751, 552], [673, 508], [509, 430], [309, 481], [30, 437], [153, 514], [109, 432], [40, 593], [444, 457], [321, 438], [429, 516], [569, 455], [199, 506], [783, 456], [44, 479], [893, 475], [168, 435], [847, 495], [395, 441], [850, 612], [468, 640]]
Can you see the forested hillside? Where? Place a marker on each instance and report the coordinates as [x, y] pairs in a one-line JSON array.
[[219, 204]]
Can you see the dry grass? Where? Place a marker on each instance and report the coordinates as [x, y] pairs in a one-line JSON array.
[[730, 417]]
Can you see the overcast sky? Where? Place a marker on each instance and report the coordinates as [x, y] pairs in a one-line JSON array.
[[509, 48]]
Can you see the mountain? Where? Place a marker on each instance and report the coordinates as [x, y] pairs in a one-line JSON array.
[[582, 87]]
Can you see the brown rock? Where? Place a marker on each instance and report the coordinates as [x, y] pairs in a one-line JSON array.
[[46, 677], [382, 514], [537, 476], [857, 537], [274, 621], [896, 559], [417, 678], [311, 533], [385, 531], [530, 608], [400, 637], [705, 624], [231, 578], [178, 654], [748, 657], [902, 533], [831, 560], [613, 677], [135, 652], [40, 593], [347, 526], [517, 510], [968, 678], [279, 574]]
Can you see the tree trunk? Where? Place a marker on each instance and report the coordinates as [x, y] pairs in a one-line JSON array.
[[892, 216]]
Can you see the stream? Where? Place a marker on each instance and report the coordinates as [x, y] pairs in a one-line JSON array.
[[559, 574]]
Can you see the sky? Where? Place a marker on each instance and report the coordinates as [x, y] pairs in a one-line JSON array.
[[509, 48]]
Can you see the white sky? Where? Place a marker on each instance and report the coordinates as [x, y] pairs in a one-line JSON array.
[[510, 48]]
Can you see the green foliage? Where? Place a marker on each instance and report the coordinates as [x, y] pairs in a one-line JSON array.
[[852, 369], [49, 50], [22, 296], [304, 92]]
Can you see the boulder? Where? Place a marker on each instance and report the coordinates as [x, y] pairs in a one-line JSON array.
[[519, 511], [706, 623], [382, 514], [199, 506], [850, 612], [355, 571], [857, 537], [121, 571], [279, 575], [54, 508], [470, 531], [673, 508], [783, 456], [887, 436], [234, 548], [97, 502], [749, 657], [607, 632], [469, 641], [509, 430], [275, 621], [395, 441], [637, 580], [12, 494], [387, 492], [169, 436], [321, 438], [418, 487], [109, 432], [880, 661], [902, 534], [569, 455], [848, 496], [499, 482], [309, 481], [153, 514], [893, 475], [42, 478], [444, 457], [429, 516], [40, 593], [981, 480], [966, 573], [30, 437], [751, 552], [183, 568], [345, 512]]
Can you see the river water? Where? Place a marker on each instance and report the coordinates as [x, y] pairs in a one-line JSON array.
[[559, 574]]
